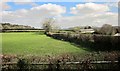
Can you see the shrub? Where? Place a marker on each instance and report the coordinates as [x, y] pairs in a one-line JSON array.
[[97, 42], [22, 64]]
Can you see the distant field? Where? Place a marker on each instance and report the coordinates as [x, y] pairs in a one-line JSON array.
[[30, 43]]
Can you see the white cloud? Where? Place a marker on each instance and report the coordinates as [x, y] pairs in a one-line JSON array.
[[89, 8], [89, 14], [34, 15], [92, 14], [113, 4], [26, 3], [91, 19], [22, 0], [101, 0], [5, 0], [4, 6]]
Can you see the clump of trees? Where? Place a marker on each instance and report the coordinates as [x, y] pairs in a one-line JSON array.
[[8, 26], [76, 29], [87, 27], [107, 29]]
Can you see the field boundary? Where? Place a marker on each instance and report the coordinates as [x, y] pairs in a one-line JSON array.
[[60, 66], [91, 62]]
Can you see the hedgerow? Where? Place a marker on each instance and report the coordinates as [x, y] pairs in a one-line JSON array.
[[97, 42]]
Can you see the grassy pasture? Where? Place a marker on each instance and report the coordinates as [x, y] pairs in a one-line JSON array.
[[30, 43]]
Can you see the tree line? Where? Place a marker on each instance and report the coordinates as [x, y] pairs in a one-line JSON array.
[[106, 29], [9, 26]]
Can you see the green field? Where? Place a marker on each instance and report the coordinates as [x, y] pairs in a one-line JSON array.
[[33, 44]]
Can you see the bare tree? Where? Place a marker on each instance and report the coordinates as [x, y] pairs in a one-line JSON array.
[[47, 24]]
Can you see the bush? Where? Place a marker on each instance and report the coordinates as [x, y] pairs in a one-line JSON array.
[[97, 42], [22, 64]]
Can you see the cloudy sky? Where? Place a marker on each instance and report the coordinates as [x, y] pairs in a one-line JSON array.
[[66, 14]]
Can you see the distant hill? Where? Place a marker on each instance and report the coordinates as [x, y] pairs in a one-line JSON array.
[[8, 26]]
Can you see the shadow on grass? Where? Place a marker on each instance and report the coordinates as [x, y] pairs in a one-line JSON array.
[[86, 48], [91, 46]]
